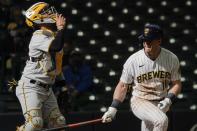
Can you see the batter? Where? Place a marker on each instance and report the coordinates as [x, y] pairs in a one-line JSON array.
[[151, 69]]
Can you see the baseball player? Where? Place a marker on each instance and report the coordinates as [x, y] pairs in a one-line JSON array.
[[34, 91], [151, 69]]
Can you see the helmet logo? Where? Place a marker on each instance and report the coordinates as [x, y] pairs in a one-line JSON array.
[[146, 31]]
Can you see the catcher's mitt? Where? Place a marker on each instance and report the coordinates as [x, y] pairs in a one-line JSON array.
[[12, 84]]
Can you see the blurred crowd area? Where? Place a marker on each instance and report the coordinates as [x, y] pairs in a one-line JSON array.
[[14, 37]]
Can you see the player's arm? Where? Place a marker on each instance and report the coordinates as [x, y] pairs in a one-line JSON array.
[[176, 83], [165, 104], [176, 87], [120, 91], [118, 97], [58, 43]]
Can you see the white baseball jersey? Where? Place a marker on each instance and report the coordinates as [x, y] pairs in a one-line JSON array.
[[151, 78], [45, 69]]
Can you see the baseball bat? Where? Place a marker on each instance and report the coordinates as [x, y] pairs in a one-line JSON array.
[[75, 125]]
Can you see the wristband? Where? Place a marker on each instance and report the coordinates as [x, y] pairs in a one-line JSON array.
[[171, 96], [115, 103]]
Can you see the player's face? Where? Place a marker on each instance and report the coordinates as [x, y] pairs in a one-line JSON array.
[[151, 46]]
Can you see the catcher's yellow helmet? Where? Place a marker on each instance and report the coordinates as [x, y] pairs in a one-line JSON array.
[[40, 13]]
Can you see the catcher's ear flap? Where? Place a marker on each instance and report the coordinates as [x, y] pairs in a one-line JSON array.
[[29, 23]]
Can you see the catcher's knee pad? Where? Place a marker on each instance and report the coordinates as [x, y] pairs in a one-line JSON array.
[[56, 118], [60, 120], [34, 120], [37, 122]]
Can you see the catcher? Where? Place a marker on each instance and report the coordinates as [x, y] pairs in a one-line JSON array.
[[34, 91]]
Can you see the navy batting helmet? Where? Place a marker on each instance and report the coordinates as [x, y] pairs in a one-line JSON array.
[[151, 32]]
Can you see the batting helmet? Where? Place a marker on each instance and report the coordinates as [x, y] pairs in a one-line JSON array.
[[151, 32], [40, 13]]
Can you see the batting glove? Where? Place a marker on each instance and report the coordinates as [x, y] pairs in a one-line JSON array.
[[165, 104], [109, 115]]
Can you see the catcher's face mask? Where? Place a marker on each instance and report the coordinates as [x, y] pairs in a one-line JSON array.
[[51, 11], [40, 13]]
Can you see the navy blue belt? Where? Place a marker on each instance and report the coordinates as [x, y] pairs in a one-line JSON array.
[[34, 59], [40, 84]]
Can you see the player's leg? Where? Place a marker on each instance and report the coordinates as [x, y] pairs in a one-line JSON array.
[[33, 121], [149, 113], [52, 113], [31, 106]]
